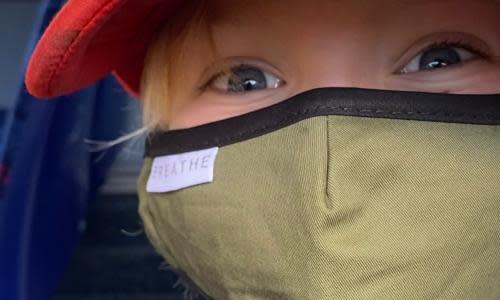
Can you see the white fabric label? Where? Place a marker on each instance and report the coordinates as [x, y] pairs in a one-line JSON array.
[[177, 171]]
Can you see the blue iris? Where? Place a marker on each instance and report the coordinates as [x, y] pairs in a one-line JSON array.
[[439, 58], [246, 78]]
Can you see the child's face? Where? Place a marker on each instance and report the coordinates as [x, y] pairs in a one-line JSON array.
[[276, 49]]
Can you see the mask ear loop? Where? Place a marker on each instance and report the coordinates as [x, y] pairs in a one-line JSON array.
[[98, 146], [191, 290], [135, 233]]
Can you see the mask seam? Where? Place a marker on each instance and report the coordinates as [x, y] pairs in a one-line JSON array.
[[312, 110], [164, 250], [328, 200], [184, 279], [190, 283]]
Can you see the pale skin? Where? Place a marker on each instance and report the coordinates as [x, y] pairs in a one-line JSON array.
[[277, 49]]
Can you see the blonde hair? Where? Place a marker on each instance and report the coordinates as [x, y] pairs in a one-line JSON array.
[[164, 59]]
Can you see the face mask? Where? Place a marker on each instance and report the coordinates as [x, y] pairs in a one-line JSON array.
[[334, 193]]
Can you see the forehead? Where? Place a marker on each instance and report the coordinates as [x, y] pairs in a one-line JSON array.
[[245, 11], [279, 28]]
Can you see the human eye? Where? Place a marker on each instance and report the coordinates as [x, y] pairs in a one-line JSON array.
[[443, 54], [244, 78], [437, 57]]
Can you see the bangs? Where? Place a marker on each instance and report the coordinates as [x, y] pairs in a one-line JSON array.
[[163, 75]]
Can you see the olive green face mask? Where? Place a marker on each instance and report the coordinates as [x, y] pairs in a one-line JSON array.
[[335, 193]]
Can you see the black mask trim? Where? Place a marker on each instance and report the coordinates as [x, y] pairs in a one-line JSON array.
[[450, 108]]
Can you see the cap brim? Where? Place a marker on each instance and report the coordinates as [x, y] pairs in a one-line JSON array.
[[89, 39]]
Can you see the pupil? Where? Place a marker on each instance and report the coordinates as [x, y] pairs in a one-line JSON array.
[[246, 78], [249, 84], [438, 58]]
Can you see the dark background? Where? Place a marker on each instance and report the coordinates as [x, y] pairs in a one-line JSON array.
[[69, 227]]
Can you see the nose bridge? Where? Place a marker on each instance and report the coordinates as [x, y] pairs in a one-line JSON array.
[[347, 60]]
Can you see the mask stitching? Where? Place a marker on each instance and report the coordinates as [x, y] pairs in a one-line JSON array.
[[291, 116], [62, 59], [329, 196]]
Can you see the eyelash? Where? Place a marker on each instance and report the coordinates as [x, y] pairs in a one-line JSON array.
[[475, 47], [225, 69], [457, 43]]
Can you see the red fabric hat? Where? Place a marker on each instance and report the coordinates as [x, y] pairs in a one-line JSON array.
[[89, 39]]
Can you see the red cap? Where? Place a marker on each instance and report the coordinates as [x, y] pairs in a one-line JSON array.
[[89, 39]]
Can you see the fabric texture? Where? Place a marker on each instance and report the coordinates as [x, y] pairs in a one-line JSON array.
[[89, 39], [376, 103], [340, 207]]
